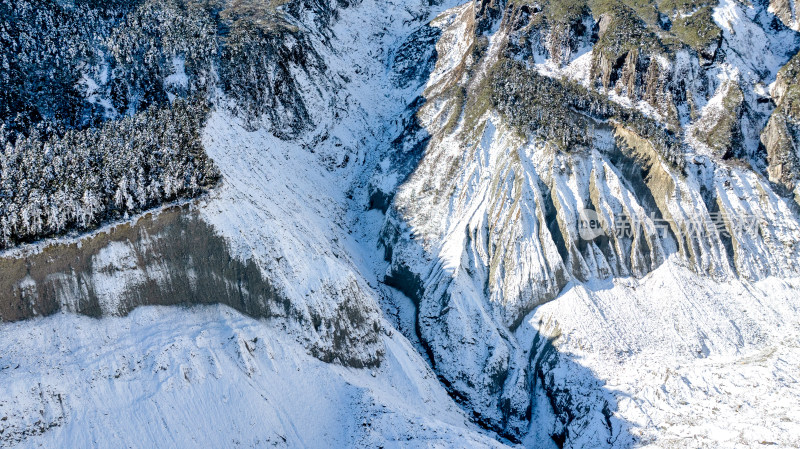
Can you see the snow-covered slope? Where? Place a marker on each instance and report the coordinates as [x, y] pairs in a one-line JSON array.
[[489, 224], [682, 361], [210, 377], [408, 255], [287, 207]]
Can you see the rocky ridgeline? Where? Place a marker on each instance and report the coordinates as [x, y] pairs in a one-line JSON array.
[[786, 11], [523, 140], [637, 50], [781, 136]]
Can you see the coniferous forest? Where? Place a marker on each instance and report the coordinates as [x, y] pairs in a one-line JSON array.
[[104, 102]]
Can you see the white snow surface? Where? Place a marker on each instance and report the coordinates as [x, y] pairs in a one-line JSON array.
[[210, 377], [472, 223], [688, 361]]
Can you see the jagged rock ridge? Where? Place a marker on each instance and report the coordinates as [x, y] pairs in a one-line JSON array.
[[485, 135], [540, 111]]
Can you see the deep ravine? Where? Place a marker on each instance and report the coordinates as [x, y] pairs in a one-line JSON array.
[[392, 252]]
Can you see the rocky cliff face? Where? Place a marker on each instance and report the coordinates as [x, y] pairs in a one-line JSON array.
[[780, 136], [540, 197], [175, 259], [786, 11], [558, 109]]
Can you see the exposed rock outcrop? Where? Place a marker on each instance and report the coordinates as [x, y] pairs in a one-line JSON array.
[[175, 258], [787, 12], [781, 136], [641, 136]]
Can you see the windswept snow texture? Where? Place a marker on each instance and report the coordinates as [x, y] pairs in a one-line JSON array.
[[684, 362], [209, 377]]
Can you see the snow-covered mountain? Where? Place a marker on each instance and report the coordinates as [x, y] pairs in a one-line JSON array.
[[400, 224]]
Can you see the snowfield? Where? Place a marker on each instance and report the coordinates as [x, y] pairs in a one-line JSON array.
[[210, 377], [690, 355], [688, 362]]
